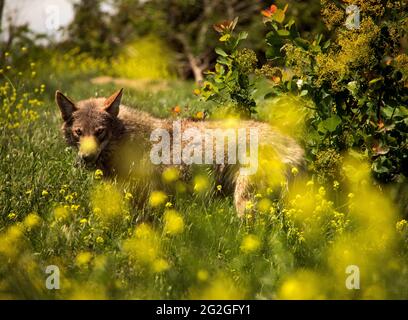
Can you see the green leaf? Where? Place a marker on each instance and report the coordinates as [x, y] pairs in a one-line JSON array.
[[221, 52], [279, 16], [302, 43], [330, 124], [388, 111], [272, 53], [376, 83], [242, 35], [283, 33], [223, 61]]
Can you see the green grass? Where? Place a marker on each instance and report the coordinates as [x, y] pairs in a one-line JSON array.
[[38, 175], [268, 254]]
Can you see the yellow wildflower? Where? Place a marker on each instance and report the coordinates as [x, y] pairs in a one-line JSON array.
[[83, 258], [402, 225], [202, 275], [61, 212], [249, 205], [250, 243], [107, 202], [310, 183], [201, 183], [31, 220], [99, 240], [170, 175], [144, 246], [98, 174], [11, 216], [173, 222], [157, 198], [160, 265], [264, 205]]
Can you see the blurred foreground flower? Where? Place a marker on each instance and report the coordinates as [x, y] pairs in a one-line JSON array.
[[201, 183], [221, 288], [202, 275], [160, 265], [170, 175], [61, 213], [144, 246], [31, 220], [173, 222], [88, 145], [250, 243], [11, 241], [303, 285], [157, 198], [107, 202], [83, 258]]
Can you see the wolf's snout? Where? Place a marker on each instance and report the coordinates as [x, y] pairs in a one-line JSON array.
[[88, 158], [88, 149], [86, 161]]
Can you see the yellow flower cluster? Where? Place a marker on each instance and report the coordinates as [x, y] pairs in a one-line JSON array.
[[145, 249], [18, 106]]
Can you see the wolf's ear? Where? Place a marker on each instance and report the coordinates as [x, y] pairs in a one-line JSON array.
[[113, 102], [66, 105]]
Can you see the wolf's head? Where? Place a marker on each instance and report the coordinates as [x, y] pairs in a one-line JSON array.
[[89, 125]]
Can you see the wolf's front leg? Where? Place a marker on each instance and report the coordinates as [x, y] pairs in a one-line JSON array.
[[241, 193]]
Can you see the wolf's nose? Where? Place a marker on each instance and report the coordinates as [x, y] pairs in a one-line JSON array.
[[87, 157]]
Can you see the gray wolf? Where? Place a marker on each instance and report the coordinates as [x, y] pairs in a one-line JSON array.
[[99, 128]]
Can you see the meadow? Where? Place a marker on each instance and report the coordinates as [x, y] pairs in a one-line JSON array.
[[183, 245], [339, 230]]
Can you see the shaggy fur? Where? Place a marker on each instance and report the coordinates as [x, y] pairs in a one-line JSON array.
[[113, 126]]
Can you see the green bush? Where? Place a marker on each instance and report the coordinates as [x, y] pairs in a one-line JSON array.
[[230, 84], [356, 79]]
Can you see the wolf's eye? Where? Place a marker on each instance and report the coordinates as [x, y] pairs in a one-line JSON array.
[[99, 131], [78, 132]]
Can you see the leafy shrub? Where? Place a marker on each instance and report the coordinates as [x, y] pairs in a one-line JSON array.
[[356, 80], [230, 84]]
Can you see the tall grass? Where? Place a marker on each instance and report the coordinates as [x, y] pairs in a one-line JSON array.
[[178, 244]]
